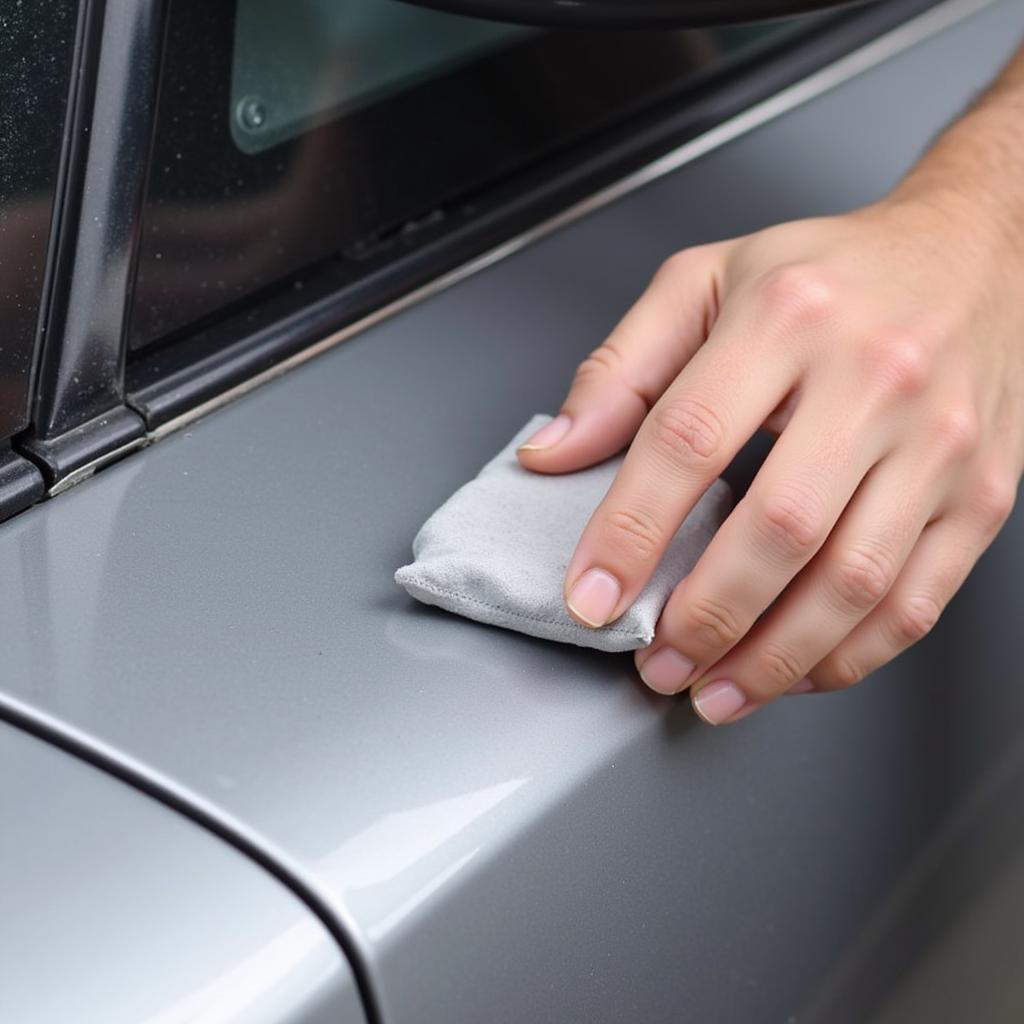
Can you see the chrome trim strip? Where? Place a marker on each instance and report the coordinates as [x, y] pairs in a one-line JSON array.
[[86, 471], [916, 30]]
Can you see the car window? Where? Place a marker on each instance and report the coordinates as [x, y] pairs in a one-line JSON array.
[[292, 137], [36, 43], [299, 65]]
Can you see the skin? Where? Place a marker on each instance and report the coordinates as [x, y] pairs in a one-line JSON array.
[[885, 348]]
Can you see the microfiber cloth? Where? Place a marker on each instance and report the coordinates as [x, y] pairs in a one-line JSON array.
[[497, 550]]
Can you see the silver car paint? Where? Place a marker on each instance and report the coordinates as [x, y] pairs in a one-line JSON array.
[[506, 829], [114, 910]]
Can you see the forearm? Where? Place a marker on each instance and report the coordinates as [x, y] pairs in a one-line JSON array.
[[975, 169]]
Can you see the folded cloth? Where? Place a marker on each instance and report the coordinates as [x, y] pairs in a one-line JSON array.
[[496, 551]]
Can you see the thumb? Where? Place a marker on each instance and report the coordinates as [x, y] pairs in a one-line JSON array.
[[617, 384]]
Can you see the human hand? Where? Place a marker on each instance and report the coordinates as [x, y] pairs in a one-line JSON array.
[[886, 349]]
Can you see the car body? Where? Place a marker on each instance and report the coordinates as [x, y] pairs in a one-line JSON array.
[[246, 779]]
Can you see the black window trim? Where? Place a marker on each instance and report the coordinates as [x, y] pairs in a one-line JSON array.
[[79, 412]]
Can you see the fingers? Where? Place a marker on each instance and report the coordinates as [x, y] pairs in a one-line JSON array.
[[797, 497], [617, 384], [939, 564], [851, 575], [692, 433]]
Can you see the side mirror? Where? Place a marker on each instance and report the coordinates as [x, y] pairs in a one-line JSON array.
[[625, 14]]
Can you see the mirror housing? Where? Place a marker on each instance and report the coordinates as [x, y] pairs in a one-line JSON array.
[[625, 14]]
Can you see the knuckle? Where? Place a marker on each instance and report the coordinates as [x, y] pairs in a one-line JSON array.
[[678, 264], [914, 619], [899, 363], [687, 431], [957, 430], [846, 672], [711, 624], [862, 576], [599, 364], [791, 520], [995, 498], [634, 534], [778, 666], [798, 295]]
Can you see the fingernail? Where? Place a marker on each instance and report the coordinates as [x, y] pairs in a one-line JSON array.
[[804, 686], [666, 670], [594, 597], [549, 435], [719, 701]]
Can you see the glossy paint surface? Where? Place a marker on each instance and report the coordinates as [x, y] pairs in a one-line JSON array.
[[116, 910], [510, 829]]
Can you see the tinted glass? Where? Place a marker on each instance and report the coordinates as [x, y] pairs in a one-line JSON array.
[[36, 43], [291, 135], [298, 65]]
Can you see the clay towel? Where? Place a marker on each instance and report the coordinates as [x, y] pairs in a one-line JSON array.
[[496, 551]]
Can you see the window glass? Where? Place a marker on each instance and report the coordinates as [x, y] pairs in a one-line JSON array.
[[292, 137], [36, 42], [296, 65]]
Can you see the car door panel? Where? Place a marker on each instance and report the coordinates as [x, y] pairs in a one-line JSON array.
[[509, 829]]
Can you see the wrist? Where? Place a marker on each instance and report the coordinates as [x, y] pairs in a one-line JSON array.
[[979, 232], [972, 180]]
